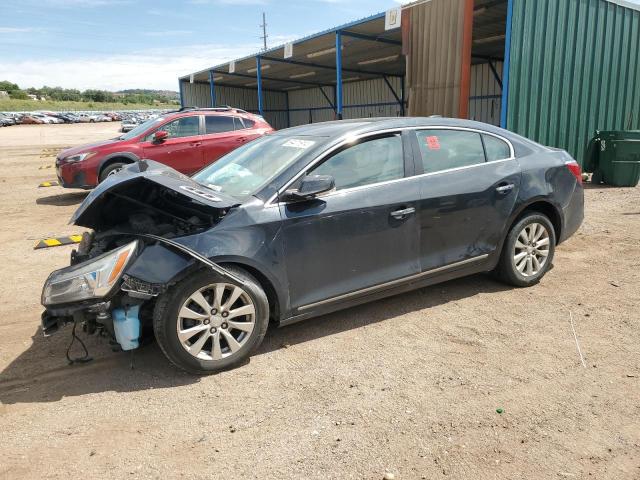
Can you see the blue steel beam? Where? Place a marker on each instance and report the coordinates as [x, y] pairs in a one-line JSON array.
[[505, 66], [495, 73], [371, 38], [259, 77], [284, 80], [328, 67], [328, 99], [212, 89], [181, 88], [339, 75], [393, 92]]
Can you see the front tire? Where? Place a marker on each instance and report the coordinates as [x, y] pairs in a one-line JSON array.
[[207, 323], [111, 170], [528, 251]]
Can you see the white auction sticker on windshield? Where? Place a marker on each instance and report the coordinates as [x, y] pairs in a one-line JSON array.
[[294, 143]]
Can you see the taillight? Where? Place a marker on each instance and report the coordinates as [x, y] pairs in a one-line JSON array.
[[574, 168]]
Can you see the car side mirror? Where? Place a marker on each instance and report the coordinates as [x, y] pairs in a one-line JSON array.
[[160, 136], [310, 187]]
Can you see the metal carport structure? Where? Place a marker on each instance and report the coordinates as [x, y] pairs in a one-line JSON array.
[[311, 79], [552, 70]]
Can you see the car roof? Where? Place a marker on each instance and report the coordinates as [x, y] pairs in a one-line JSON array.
[[210, 111], [366, 125]]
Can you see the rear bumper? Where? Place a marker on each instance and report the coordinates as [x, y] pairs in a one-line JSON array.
[[573, 214]]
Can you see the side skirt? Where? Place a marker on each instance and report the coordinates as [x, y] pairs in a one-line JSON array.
[[438, 275]]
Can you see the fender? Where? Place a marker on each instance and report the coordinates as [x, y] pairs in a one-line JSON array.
[[172, 266], [128, 155], [163, 264]]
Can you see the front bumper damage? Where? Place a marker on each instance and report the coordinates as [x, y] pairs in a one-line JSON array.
[[157, 208], [119, 314]]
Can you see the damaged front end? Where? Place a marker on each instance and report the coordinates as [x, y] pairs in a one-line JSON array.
[[132, 255]]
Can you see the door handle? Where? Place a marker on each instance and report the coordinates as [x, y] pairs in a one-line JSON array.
[[405, 212], [504, 189], [241, 139], [196, 144]]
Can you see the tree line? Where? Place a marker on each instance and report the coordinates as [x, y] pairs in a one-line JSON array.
[[143, 96]]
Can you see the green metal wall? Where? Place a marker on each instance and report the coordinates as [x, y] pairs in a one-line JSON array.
[[575, 68]]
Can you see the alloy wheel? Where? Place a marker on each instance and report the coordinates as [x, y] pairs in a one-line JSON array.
[[531, 249], [216, 321]]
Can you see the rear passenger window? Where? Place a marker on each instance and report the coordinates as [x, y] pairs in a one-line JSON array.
[[248, 123], [238, 123], [446, 149], [495, 148], [218, 124]]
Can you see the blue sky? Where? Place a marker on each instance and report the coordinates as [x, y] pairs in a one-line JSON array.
[[115, 44]]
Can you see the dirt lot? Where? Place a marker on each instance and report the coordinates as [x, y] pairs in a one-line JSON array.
[[409, 385]]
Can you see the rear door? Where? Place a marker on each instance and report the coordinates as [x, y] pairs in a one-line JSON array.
[[222, 133], [363, 234], [182, 149], [468, 189]]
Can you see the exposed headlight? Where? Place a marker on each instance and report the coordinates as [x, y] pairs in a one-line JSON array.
[[78, 158], [92, 279]]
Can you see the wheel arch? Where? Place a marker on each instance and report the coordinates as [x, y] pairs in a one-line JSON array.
[[265, 282], [540, 205], [124, 157]]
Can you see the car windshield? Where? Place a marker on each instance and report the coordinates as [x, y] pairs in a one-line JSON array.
[[143, 127], [249, 168]]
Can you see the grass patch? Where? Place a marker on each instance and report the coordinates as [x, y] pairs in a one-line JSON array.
[[11, 105]]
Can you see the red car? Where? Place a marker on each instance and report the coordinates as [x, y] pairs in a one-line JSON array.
[[186, 140]]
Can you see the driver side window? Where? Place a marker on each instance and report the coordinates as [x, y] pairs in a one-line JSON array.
[[371, 161], [182, 127]]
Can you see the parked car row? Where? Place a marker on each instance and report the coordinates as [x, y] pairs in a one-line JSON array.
[[8, 119], [131, 120]]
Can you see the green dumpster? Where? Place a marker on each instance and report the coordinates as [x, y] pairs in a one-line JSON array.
[[614, 157]]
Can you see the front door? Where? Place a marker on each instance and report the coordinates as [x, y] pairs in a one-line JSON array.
[[468, 190], [363, 234], [182, 149]]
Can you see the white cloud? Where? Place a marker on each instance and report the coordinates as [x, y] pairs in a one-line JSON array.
[[84, 3], [154, 68], [16, 29], [229, 2], [162, 33]]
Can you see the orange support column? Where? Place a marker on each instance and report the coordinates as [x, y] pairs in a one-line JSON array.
[[465, 76]]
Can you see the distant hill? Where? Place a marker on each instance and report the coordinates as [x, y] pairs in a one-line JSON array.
[[146, 91]]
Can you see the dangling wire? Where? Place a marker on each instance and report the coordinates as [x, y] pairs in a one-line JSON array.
[[85, 358]]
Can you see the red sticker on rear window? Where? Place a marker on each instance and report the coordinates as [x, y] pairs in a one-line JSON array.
[[433, 143]]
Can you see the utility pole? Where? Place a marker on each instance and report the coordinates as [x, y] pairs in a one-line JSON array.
[[264, 30]]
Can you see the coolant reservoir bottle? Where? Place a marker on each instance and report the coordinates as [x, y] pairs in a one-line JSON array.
[[126, 325]]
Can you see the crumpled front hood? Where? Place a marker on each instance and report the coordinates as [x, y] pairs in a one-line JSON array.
[[137, 179], [88, 147]]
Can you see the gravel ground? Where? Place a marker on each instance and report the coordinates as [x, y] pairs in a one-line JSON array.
[[408, 386]]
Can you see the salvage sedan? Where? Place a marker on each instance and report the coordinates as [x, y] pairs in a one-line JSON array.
[[306, 221]]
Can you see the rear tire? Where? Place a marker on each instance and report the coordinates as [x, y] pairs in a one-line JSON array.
[[528, 251], [110, 170], [207, 323]]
